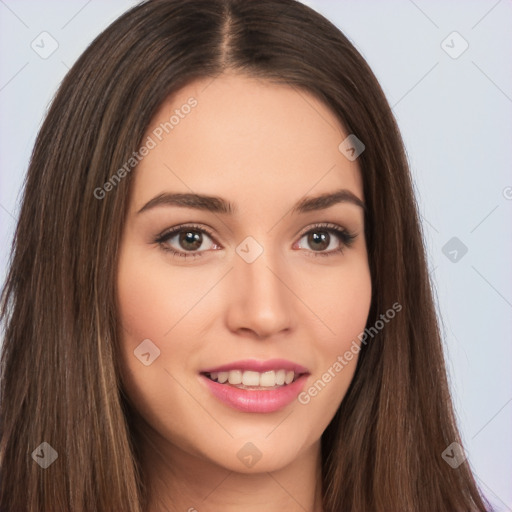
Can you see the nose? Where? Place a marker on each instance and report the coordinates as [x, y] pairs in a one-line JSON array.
[[259, 300]]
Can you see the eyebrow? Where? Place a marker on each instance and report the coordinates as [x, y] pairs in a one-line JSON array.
[[220, 205]]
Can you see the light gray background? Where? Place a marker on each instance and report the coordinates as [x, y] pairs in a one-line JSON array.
[[455, 117]]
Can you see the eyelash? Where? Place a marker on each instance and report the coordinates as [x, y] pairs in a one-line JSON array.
[[345, 237]]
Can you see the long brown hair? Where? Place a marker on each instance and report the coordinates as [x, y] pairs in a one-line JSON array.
[[60, 379]]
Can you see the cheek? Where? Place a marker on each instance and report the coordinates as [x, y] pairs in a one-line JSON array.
[[154, 301], [342, 301], [152, 296]]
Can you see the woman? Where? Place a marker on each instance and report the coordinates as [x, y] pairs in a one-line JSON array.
[[218, 296]]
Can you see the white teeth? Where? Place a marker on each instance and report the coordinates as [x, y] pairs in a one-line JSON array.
[[222, 377], [249, 378], [268, 379], [280, 376], [235, 377]]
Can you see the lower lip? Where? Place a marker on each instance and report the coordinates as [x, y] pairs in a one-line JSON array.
[[247, 400]]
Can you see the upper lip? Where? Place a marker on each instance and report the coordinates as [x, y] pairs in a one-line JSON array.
[[258, 366]]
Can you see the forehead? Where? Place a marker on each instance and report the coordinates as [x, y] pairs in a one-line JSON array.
[[245, 138]]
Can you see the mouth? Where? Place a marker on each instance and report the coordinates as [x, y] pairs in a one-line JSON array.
[[253, 380], [255, 386]]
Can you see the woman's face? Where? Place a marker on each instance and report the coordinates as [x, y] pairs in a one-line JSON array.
[[265, 285]]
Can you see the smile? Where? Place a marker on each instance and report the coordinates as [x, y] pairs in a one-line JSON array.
[[254, 380], [256, 387]]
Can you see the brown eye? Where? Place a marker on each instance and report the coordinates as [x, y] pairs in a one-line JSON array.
[[326, 239], [190, 240], [319, 240], [186, 241]]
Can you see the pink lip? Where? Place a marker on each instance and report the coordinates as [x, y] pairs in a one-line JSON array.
[[247, 400], [258, 366]]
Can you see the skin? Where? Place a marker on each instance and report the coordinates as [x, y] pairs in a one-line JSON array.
[[263, 147]]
